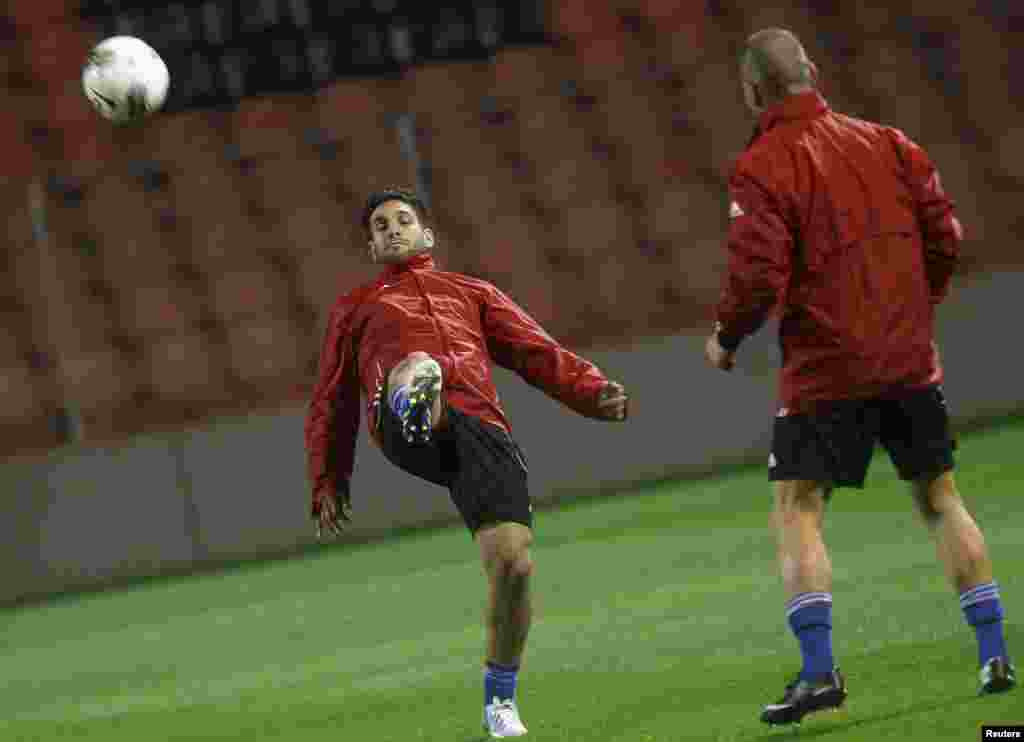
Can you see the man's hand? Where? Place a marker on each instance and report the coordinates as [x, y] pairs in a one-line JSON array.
[[334, 515], [718, 356], [612, 402]]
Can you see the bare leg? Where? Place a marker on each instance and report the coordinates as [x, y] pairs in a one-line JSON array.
[[797, 521], [506, 557], [807, 576], [959, 542]]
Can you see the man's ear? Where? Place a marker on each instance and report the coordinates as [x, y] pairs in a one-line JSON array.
[[373, 251], [428, 237], [813, 68]]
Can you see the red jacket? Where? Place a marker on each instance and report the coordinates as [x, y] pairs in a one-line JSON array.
[[842, 226], [462, 322]]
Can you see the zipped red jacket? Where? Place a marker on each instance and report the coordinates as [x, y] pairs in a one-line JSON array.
[[843, 228], [463, 323]]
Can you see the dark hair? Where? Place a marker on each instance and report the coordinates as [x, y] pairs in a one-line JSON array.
[[409, 197]]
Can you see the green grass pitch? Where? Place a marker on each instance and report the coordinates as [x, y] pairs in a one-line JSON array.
[[659, 617]]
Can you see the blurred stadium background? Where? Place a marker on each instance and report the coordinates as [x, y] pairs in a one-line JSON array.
[[166, 277], [573, 151], [164, 292]]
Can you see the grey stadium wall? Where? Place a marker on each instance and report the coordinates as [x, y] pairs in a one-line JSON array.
[[82, 518]]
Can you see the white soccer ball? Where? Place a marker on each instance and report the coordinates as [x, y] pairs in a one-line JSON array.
[[125, 79]]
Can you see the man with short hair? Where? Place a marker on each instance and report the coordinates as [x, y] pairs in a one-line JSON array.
[[843, 226], [419, 343]]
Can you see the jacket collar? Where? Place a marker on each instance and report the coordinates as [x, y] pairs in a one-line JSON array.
[[798, 106], [423, 261]]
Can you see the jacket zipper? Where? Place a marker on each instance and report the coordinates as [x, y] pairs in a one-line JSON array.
[[437, 324], [450, 382]]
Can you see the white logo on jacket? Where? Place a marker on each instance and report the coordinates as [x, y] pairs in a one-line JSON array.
[[735, 210]]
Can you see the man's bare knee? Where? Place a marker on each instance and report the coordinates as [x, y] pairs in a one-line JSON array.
[[505, 549], [405, 369], [516, 567], [935, 496], [509, 568], [799, 498]]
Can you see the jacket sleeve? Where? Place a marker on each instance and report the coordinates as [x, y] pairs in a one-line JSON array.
[[332, 421], [941, 231], [517, 342], [759, 246]]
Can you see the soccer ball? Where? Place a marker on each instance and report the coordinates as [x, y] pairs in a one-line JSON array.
[[125, 79]]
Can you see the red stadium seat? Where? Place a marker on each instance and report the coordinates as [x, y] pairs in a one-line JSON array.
[[714, 100], [201, 205], [583, 18], [27, 409], [589, 231], [270, 356], [512, 255], [325, 227], [360, 117], [19, 160], [983, 52], [868, 19], [511, 249], [671, 15], [188, 144], [12, 348], [471, 186], [449, 88], [33, 436], [17, 392], [258, 289], [159, 309], [19, 258], [281, 183], [72, 308], [103, 385], [639, 130], [370, 158], [676, 214], [122, 220], [1010, 151], [271, 126], [185, 370], [212, 230], [16, 214], [323, 275], [683, 46], [789, 14], [522, 73], [565, 166]]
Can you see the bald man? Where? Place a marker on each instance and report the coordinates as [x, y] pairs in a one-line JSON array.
[[841, 227]]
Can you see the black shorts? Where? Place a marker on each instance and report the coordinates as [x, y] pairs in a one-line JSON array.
[[833, 443], [482, 467]]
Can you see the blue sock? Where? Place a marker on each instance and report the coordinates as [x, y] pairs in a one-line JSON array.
[[810, 618], [984, 612], [399, 400], [500, 682]]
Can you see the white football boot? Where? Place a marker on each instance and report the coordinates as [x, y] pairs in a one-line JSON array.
[[501, 719]]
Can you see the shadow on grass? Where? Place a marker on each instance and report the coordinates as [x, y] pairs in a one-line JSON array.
[[823, 724]]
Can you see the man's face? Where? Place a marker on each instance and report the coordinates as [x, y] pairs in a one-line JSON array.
[[396, 233]]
